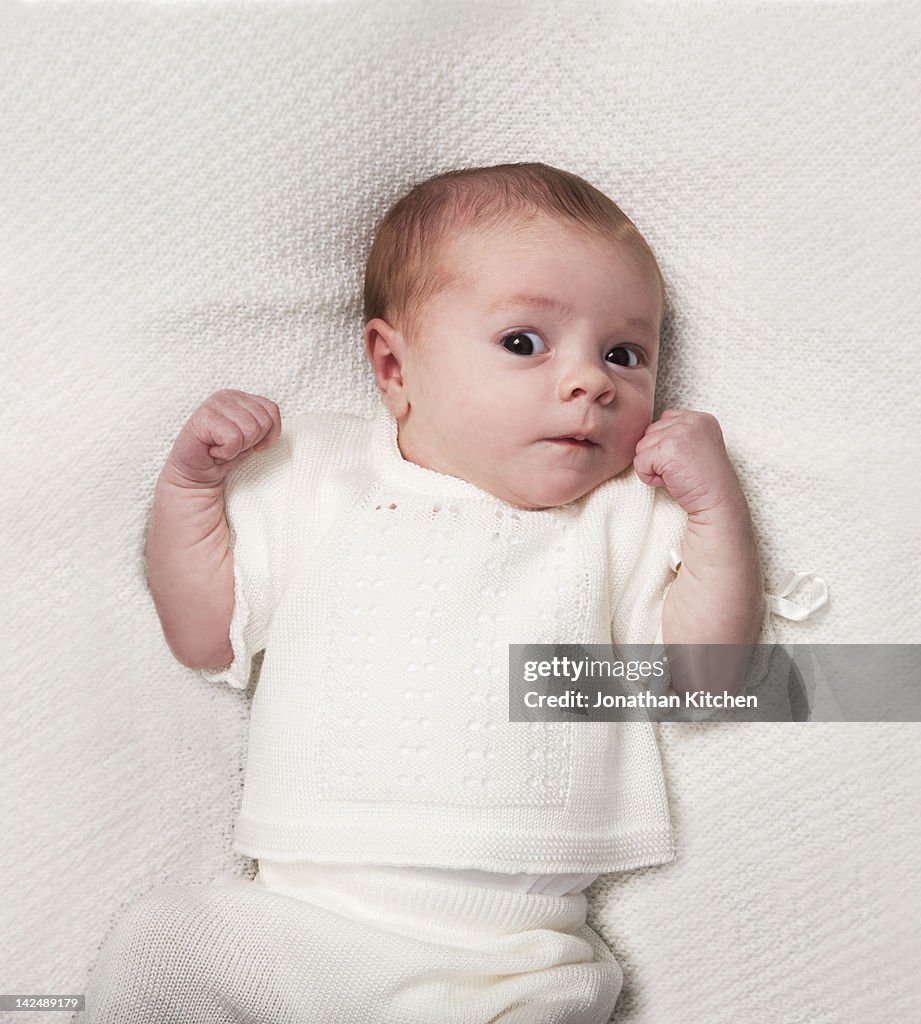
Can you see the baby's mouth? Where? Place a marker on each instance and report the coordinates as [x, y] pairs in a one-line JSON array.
[[575, 441]]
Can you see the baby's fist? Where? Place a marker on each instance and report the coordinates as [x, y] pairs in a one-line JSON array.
[[684, 452], [222, 430]]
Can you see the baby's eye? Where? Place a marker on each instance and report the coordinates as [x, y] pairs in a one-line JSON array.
[[520, 343], [623, 357]]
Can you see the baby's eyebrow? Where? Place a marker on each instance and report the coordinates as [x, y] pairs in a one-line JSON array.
[[538, 301], [561, 308]]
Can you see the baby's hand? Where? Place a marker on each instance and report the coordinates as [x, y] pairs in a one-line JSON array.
[[684, 452], [222, 430]]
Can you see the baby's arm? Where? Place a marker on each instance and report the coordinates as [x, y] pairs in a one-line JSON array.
[[188, 553], [718, 594]]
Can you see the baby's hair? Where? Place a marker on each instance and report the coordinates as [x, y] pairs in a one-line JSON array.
[[404, 269]]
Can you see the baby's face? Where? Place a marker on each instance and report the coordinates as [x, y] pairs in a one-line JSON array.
[[494, 380]]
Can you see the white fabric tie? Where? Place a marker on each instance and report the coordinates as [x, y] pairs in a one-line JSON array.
[[811, 587]]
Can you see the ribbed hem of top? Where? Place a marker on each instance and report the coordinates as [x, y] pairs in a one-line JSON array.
[[363, 842]]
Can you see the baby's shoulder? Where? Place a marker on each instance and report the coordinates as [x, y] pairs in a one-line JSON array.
[[306, 430], [322, 420]]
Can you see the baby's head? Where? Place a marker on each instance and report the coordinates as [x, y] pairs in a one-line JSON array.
[[506, 308]]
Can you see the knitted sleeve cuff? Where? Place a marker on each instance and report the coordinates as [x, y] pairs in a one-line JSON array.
[[237, 673]]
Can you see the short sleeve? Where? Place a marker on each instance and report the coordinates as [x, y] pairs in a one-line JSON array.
[[255, 499], [637, 609]]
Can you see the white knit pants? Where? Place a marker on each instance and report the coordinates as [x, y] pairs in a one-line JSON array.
[[353, 944]]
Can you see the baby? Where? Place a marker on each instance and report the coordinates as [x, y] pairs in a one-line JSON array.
[[421, 858]]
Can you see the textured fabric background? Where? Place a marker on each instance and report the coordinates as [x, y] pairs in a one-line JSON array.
[[189, 192]]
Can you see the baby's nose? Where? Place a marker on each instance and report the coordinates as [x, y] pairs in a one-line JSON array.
[[587, 380]]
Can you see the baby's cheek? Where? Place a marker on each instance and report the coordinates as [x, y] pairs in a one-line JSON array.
[[633, 427]]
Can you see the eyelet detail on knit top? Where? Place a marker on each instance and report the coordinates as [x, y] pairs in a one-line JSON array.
[[386, 595], [411, 579]]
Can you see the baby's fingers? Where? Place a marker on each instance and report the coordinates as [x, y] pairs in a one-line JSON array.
[[255, 423], [645, 466], [656, 431], [259, 423], [228, 440], [229, 431], [272, 420], [647, 441]]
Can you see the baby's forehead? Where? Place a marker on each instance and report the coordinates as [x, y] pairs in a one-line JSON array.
[[459, 260], [462, 244], [464, 249], [461, 233]]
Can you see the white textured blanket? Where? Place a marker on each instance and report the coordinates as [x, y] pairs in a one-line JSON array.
[[189, 192]]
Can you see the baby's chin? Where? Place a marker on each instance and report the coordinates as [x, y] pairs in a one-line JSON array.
[[551, 491]]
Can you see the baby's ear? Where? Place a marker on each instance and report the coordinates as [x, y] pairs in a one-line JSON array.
[[382, 339], [386, 349]]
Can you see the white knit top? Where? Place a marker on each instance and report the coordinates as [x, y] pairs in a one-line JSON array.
[[385, 596]]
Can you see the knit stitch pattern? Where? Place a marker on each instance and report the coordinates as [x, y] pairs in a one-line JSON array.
[[352, 946], [386, 595]]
